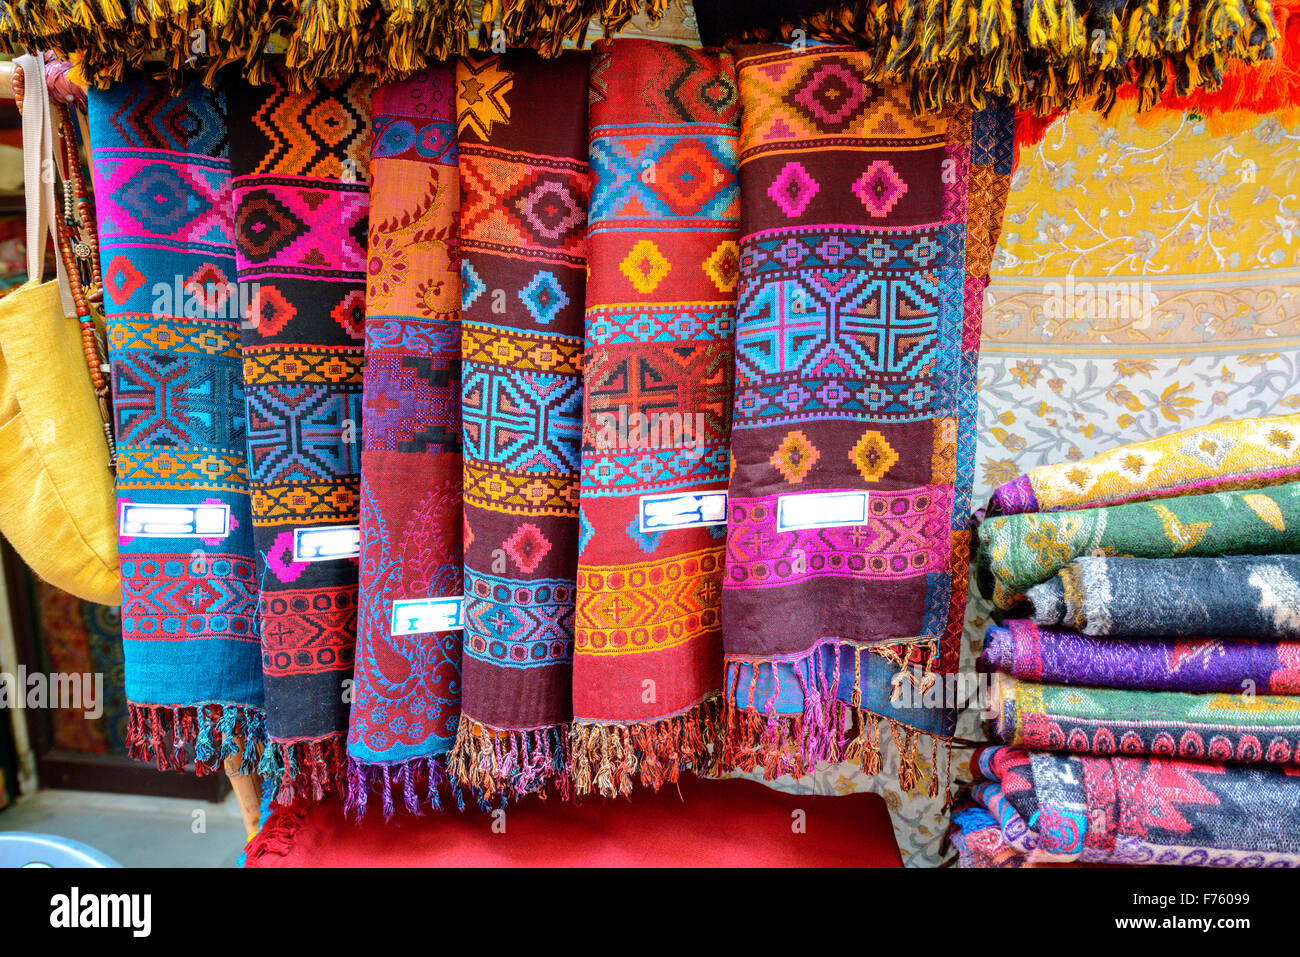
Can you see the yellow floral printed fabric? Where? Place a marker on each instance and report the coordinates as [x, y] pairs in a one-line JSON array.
[[1148, 281]]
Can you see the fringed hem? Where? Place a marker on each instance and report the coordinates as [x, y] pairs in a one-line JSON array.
[[171, 736], [412, 778], [830, 730], [500, 765], [310, 769], [607, 758], [321, 40], [1044, 55]]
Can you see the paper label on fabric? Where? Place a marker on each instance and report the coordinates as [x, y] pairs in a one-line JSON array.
[[326, 543], [418, 616], [660, 513], [143, 520], [820, 510]]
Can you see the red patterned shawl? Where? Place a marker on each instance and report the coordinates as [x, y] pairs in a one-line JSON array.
[[659, 326]]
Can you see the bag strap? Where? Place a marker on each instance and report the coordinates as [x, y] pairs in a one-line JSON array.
[[38, 175]]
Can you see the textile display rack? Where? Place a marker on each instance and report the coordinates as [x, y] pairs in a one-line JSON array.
[[545, 406]]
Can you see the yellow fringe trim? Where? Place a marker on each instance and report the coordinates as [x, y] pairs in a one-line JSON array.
[[320, 39], [1044, 55]]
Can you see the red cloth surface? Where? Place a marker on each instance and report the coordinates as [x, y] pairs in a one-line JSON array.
[[732, 823]]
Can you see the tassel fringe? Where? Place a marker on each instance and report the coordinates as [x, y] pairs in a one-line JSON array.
[[498, 766], [829, 731], [173, 737], [306, 769], [320, 39], [609, 758], [418, 783], [1044, 55], [1270, 88]]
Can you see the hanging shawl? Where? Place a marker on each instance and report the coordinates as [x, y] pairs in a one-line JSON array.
[[406, 694], [525, 184], [1240, 454], [1200, 665], [1238, 726], [299, 162], [1017, 551], [189, 596], [1239, 597], [665, 215], [867, 235], [1123, 810]]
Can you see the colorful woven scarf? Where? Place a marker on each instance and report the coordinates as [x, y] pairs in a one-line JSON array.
[[1147, 811], [406, 689], [1017, 551], [1238, 597], [867, 235], [189, 593], [665, 216], [978, 840], [301, 201], [525, 185], [1200, 665], [1241, 454], [1244, 727]]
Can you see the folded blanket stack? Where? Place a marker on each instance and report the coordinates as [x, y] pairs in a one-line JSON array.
[[1147, 656]]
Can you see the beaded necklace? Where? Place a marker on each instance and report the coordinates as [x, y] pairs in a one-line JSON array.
[[78, 245]]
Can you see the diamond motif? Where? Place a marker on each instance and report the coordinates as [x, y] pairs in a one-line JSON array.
[[645, 266], [873, 456], [471, 285], [269, 311], [833, 96], [687, 177], [880, 188], [122, 279], [264, 226], [527, 546], [160, 198], [1207, 447], [795, 457], [793, 189], [209, 286], [350, 314], [543, 297], [723, 265], [550, 209]]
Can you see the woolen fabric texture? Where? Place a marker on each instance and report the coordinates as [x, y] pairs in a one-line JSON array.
[[301, 201], [525, 185], [660, 323], [161, 170], [406, 678], [1144, 811], [866, 234], [1201, 665], [1243, 727], [1238, 597], [1017, 551]]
